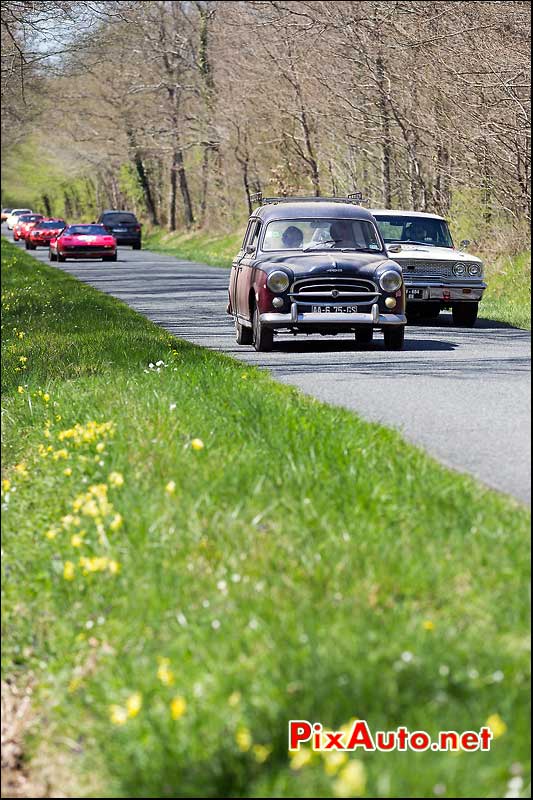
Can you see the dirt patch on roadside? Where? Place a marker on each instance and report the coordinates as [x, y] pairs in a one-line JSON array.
[[16, 721]]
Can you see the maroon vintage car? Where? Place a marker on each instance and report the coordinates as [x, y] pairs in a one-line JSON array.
[[315, 265]]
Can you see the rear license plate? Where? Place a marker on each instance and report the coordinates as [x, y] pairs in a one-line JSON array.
[[415, 294], [120, 230], [334, 309]]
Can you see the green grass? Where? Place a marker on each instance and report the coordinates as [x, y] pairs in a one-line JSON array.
[[508, 296], [306, 564], [219, 250]]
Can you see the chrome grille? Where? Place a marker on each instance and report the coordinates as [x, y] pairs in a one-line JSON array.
[[433, 269], [338, 290]]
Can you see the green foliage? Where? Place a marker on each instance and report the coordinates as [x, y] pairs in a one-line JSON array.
[[303, 563], [209, 248], [508, 296]]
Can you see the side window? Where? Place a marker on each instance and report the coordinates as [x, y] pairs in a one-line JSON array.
[[253, 234], [246, 235]]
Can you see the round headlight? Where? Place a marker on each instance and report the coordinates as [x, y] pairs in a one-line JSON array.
[[278, 281], [474, 269], [459, 269], [390, 281]]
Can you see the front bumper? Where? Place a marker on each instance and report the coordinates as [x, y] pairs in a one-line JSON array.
[[96, 253], [444, 291], [297, 319]]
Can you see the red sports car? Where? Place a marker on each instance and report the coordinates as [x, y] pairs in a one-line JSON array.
[[83, 241], [24, 225], [46, 229]]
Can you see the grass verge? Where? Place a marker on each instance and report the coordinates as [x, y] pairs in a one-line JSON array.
[[507, 299], [176, 604]]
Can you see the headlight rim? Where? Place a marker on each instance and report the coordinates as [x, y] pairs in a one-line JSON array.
[[475, 270], [391, 272], [278, 272], [460, 270]]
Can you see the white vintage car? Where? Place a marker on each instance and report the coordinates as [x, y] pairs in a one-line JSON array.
[[436, 275]]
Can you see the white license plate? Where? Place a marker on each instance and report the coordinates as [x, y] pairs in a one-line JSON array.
[[415, 294], [334, 309], [121, 230]]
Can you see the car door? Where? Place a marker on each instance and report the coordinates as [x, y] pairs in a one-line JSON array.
[[246, 265], [236, 271]]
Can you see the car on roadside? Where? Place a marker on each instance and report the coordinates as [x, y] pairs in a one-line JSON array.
[[45, 230], [315, 265], [24, 225], [5, 214], [124, 226], [437, 275], [83, 241], [12, 219]]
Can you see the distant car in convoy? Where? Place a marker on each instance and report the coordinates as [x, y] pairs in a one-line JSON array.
[[124, 226], [315, 265], [12, 220], [5, 213], [436, 274], [83, 241], [43, 231], [24, 225]]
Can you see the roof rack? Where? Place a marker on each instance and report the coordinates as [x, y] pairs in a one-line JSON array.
[[355, 197]]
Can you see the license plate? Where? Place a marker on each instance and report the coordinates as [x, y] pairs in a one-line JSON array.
[[415, 294], [334, 309], [120, 230]]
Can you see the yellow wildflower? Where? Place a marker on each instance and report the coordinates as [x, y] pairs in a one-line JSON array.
[[170, 488], [46, 397], [51, 534], [261, 752], [60, 454], [428, 625], [164, 673], [116, 480], [23, 359], [351, 781], [243, 737], [333, 761], [300, 758], [76, 540], [234, 699], [116, 522], [68, 571], [21, 469], [197, 444], [178, 707], [497, 725], [67, 471], [100, 447], [6, 485], [113, 567], [118, 715], [20, 389], [134, 704]]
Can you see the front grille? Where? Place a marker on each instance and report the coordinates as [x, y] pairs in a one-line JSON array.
[[431, 269], [333, 290], [84, 247]]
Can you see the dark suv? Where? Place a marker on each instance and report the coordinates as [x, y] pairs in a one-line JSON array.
[[124, 226]]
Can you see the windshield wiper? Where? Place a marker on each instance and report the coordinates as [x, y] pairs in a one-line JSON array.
[[317, 245]]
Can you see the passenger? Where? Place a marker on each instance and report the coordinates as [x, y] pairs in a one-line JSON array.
[[292, 238]]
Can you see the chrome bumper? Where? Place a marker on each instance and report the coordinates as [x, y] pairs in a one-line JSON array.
[[447, 292], [296, 318]]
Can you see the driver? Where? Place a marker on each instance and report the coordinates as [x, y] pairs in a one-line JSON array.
[[292, 238], [341, 233], [416, 232]]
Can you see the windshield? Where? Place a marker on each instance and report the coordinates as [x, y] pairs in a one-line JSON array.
[[85, 230], [321, 234], [51, 224], [414, 230], [30, 218], [119, 219]]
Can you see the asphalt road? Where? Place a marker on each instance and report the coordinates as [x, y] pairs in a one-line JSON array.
[[462, 394]]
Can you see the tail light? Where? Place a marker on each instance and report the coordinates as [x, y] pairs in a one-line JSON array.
[[137, 228]]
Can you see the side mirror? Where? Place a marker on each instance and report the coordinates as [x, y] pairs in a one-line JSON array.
[[394, 248], [464, 244]]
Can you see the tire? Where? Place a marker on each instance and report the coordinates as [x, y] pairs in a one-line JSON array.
[[263, 338], [27, 245], [464, 315], [394, 337], [136, 246], [51, 256], [364, 335], [110, 258], [60, 258], [243, 335]]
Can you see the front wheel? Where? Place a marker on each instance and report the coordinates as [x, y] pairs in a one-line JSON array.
[[394, 337], [59, 257], [110, 258], [136, 246], [243, 335], [51, 255], [263, 338], [464, 315]]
